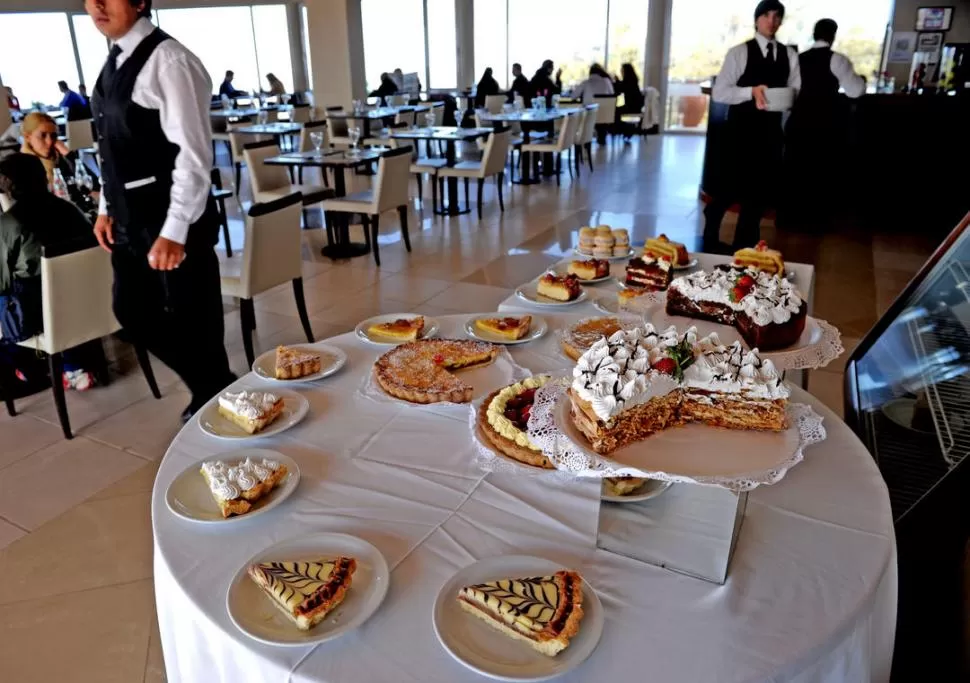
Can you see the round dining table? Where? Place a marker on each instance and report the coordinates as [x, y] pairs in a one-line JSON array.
[[810, 594]]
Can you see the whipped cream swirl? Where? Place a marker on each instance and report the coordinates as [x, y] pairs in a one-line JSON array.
[[733, 370], [229, 481], [772, 299], [249, 404]]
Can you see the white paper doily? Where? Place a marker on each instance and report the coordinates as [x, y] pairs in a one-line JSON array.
[[502, 372], [825, 348], [806, 426]]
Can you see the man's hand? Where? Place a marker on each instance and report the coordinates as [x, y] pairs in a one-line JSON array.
[[166, 254], [104, 231], [760, 97], [559, 74]]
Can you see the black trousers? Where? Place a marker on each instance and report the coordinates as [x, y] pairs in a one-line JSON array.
[[753, 164], [177, 315]]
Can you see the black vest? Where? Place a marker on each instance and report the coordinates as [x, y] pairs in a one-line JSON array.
[[818, 81], [137, 158], [760, 71]]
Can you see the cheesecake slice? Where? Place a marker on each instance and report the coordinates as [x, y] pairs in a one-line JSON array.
[[402, 329], [543, 611], [305, 591], [511, 329], [564, 288], [295, 363]]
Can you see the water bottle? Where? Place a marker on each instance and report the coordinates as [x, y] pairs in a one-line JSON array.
[[59, 186]]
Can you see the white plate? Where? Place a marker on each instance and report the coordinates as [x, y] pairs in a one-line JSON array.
[[430, 328], [295, 408], [332, 359], [536, 331], [529, 293], [188, 495], [491, 653], [650, 489], [563, 272], [256, 615], [693, 451], [630, 254], [687, 266]]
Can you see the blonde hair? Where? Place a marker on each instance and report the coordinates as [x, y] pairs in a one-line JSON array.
[[35, 120]]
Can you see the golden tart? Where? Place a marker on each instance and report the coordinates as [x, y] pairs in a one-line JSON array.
[[510, 328], [254, 411], [296, 363], [423, 371], [305, 591], [543, 611], [577, 339], [503, 419], [236, 488], [402, 329]]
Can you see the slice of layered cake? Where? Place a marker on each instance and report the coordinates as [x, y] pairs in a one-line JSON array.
[[663, 247], [653, 273]]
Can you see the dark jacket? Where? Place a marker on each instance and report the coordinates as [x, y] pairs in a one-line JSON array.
[[542, 84], [229, 91], [632, 95], [30, 225], [486, 86], [520, 86], [386, 88]]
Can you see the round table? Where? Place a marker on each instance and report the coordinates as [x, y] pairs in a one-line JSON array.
[[810, 595]]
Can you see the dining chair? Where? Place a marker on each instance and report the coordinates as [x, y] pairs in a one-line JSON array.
[[339, 135], [272, 255], [300, 113], [237, 142], [398, 100], [272, 182], [427, 165], [605, 116], [390, 191], [74, 315], [80, 135], [220, 196], [584, 137], [564, 141], [494, 103], [492, 164]]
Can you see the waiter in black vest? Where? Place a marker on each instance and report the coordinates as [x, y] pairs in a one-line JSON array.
[[151, 106], [817, 131], [753, 155]]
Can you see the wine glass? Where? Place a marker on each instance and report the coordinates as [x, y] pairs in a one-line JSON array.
[[429, 118], [354, 135], [285, 98], [263, 117], [555, 101], [358, 106], [316, 138]]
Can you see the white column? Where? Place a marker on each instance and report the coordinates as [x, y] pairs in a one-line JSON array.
[[465, 35], [657, 52], [336, 51], [294, 24]]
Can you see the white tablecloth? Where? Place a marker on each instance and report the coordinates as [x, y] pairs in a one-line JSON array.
[[811, 592]]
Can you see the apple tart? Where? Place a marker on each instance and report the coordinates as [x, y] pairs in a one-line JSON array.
[[423, 371]]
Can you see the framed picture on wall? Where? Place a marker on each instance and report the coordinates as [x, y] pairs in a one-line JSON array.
[[934, 18]]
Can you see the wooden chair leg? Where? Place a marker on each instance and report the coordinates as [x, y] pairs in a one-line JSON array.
[[238, 178], [299, 175], [328, 223], [247, 320], [365, 223], [434, 193], [467, 202], [56, 364], [589, 155], [292, 174], [499, 182], [402, 212], [417, 177], [224, 220], [481, 188], [301, 308], [374, 227], [569, 163], [558, 168], [146, 368]]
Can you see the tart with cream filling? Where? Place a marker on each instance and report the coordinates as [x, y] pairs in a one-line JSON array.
[[504, 420], [305, 591], [543, 611], [236, 488], [254, 411]]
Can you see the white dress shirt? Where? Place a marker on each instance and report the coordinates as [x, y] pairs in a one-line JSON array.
[[175, 83], [852, 83], [594, 85], [726, 89]]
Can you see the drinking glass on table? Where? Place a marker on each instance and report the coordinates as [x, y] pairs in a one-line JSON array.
[[354, 135], [555, 101], [316, 139], [358, 106], [262, 117], [429, 118]]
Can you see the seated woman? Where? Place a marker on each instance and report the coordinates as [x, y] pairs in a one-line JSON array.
[[598, 83], [487, 86], [40, 140], [629, 86], [37, 219]]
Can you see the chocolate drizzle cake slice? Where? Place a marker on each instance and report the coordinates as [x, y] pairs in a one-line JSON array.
[[543, 611], [305, 591], [654, 273]]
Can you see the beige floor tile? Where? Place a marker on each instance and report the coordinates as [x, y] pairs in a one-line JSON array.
[[512, 270], [145, 428], [322, 291], [9, 533], [827, 387], [24, 434], [140, 481], [362, 305], [411, 288], [470, 297], [101, 636], [45, 484], [95, 544]]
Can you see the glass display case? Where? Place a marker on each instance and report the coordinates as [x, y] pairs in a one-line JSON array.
[[907, 396]]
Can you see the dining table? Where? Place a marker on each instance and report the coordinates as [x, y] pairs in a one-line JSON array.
[[810, 593], [339, 162], [368, 116], [451, 136], [531, 121]]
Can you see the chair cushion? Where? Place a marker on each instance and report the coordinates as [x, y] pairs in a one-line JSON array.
[[358, 202], [540, 147], [427, 165], [463, 169]]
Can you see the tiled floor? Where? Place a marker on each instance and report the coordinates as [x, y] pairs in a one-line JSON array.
[[74, 516]]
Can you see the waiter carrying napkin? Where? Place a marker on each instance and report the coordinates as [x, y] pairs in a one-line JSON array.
[[151, 107], [752, 158]]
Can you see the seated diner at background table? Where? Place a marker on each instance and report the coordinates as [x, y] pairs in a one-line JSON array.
[[520, 85], [628, 85], [486, 86], [226, 89], [40, 140], [75, 107], [598, 83], [387, 87], [37, 219], [542, 83], [276, 87]]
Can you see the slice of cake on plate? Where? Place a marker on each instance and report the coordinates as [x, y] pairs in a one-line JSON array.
[[543, 611], [649, 272], [565, 288], [663, 247], [295, 363], [762, 258], [504, 418], [305, 591], [402, 329], [622, 486], [591, 269], [236, 488], [635, 299], [254, 411], [509, 328]]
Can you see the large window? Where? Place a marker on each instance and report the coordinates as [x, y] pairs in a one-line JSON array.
[[491, 41], [306, 48], [442, 52], [393, 38], [627, 35], [35, 53], [92, 46], [272, 41]]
